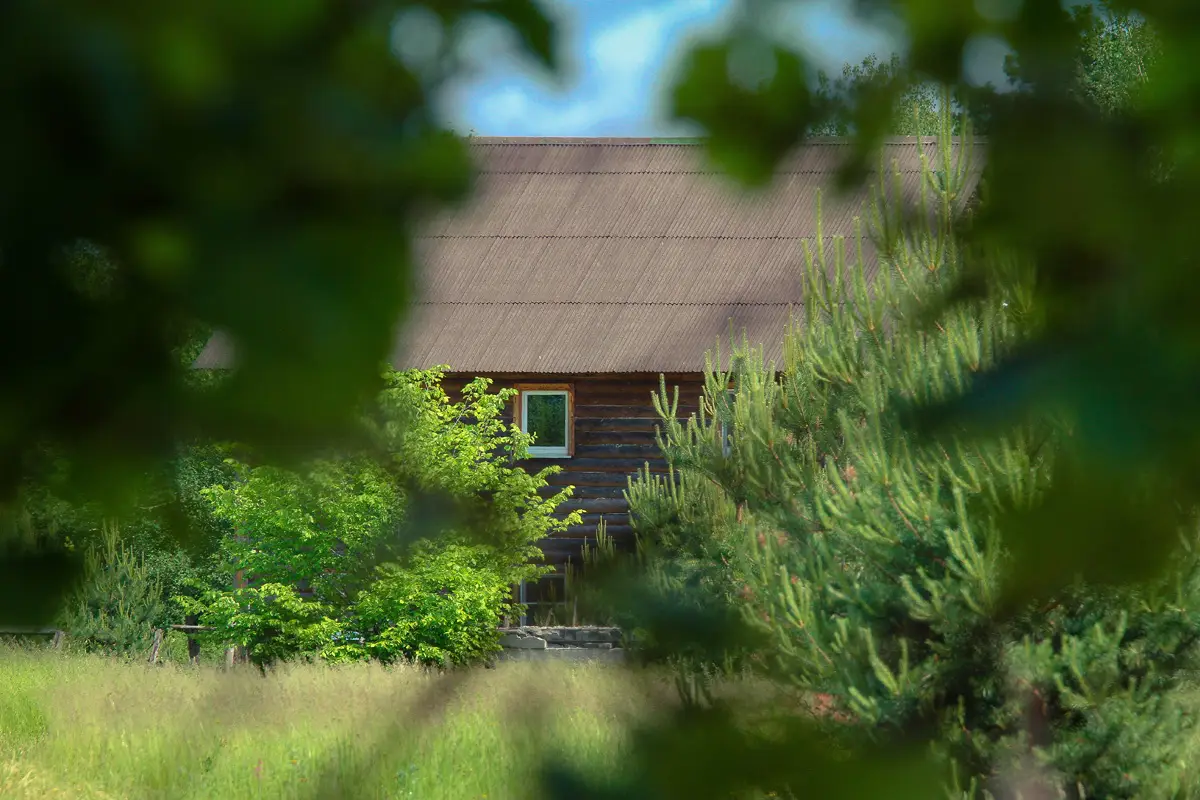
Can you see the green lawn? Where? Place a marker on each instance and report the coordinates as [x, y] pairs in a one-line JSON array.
[[81, 726]]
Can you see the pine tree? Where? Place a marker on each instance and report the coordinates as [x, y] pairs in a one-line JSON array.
[[119, 604], [874, 560]]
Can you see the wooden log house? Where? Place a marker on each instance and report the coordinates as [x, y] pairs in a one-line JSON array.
[[582, 269]]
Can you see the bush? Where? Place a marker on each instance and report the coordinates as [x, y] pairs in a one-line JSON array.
[[345, 557], [441, 608]]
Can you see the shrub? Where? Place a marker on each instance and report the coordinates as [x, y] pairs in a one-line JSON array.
[[441, 607], [345, 557]]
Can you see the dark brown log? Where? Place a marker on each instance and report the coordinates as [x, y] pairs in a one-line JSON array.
[[630, 382], [584, 492], [583, 477], [612, 527], [597, 492], [584, 436], [618, 517], [622, 424], [599, 411], [627, 381], [618, 451], [508, 378], [592, 505], [636, 398], [618, 466], [560, 549]]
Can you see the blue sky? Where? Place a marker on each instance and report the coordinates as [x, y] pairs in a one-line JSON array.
[[619, 57]]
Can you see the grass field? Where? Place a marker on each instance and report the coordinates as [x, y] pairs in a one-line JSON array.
[[86, 727]]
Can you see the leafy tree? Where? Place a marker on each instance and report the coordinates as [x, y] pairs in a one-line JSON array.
[[1114, 54], [440, 606], [321, 547], [1117, 52], [915, 110], [257, 172]]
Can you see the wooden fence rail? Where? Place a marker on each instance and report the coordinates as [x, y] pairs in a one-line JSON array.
[[156, 644]]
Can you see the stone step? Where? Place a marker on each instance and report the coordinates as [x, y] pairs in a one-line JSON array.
[[567, 635], [576, 654]]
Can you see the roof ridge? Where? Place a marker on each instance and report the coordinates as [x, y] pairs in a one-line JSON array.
[[602, 303], [696, 237], [713, 172], [668, 141]]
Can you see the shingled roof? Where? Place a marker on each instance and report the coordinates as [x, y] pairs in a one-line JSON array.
[[583, 255]]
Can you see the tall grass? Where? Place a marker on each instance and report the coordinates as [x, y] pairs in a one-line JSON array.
[[84, 726]]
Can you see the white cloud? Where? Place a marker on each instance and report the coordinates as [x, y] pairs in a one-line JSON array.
[[622, 62], [505, 105], [618, 59], [621, 55], [830, 34]]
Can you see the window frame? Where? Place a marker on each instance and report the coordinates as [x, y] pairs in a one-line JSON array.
[[519, 412]]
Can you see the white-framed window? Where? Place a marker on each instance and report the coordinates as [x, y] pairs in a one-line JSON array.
[[546, 412]]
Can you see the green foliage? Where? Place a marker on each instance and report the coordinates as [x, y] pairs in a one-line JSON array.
[[270, 620], [877, 564], [915, 109], [1117, 53], [248, 169], [767, 106], [459, 451], [166, 525], [546, 418], [118, 605], [1094, 195], [204, 166], [342, 564], [1114, 54], [440, 607]]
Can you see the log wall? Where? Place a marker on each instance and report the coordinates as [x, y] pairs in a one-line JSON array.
[[614, 425]]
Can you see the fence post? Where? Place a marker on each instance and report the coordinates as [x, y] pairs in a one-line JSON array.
[[158, 640], [56, 643], [193, 643]]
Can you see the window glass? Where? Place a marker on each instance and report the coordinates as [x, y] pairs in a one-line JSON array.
[[546, 418]]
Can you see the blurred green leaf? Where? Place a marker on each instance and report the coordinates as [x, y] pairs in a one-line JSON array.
[[33, 585], [1103, 529], [710, 754], [752, 119], [259, 171], [944, 30], [531, 24], [1117, 502]]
